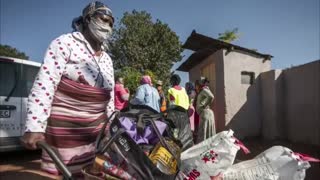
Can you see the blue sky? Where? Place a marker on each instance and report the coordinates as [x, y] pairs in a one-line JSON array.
[[287, 29]]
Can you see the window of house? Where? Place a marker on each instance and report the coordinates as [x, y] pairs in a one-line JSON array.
[[247, 77]]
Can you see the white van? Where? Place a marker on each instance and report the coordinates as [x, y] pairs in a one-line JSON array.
[[16, 80]]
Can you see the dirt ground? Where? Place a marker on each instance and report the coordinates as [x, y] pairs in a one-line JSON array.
[[22, 165], [26, 164]]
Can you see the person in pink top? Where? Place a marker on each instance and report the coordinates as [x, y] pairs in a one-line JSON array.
[[121, 94]]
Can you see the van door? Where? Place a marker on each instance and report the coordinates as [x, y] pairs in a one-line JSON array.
[[10, 99]]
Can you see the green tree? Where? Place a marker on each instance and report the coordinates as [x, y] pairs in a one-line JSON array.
[[9, 51], [131, 78], [143, 44], [229, 36]]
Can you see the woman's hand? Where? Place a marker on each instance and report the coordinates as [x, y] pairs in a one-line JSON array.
[[29, 139]]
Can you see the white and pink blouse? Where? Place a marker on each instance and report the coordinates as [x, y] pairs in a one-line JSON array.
[[71, 56]]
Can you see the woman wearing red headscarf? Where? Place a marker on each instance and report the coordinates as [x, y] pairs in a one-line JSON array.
[[146, 94]]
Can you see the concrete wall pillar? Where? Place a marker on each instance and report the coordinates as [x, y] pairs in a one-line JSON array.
[[272, 108], [302, 109]]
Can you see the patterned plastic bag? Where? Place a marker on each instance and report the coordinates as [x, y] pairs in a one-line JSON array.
[[210, 157], [276, 163]]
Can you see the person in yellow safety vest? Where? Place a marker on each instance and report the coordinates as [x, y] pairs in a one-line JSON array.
[[178, 112], [178, 95], [163, 102]]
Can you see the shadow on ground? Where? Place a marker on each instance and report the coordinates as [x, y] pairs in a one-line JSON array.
[[22, 165]]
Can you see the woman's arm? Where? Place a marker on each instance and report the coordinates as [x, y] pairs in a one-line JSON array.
[[205, 98], [42, 92], [110, 105], [124, 93], [47, 80]]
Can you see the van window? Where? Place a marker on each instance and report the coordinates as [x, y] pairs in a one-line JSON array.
[[29, 74], [9, 76]]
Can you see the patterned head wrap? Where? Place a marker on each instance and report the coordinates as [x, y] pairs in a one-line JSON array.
[[146, 80], [91, 9], [96, 7]]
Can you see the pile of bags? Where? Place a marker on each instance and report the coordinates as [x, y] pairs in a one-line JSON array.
[[214, 157], [142, 145]]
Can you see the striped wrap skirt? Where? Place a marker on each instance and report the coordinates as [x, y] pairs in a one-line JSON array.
[[76, 118]]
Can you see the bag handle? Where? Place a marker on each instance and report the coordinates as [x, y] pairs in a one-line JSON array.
[[101, 133], [57, 160], [162, 140], [152, 118], [138, 169], [141, 121], [119, 132], [241, 145], [140, 124], [110, 141], [306, 157]]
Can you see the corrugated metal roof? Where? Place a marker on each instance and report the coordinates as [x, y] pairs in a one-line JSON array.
[[205, 46]]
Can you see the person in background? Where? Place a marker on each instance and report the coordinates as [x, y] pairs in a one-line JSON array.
[[163, 102], [203, 108], [146, 94], [76, 74], [197, 88], [191, 111], [178, 111], [121, 94]]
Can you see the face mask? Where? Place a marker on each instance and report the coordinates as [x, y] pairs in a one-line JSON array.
[[100, 30]]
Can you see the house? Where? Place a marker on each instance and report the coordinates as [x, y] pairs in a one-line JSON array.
[[232, 71]]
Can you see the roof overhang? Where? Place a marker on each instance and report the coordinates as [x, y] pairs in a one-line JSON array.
[[194, 59], [205, 46]]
